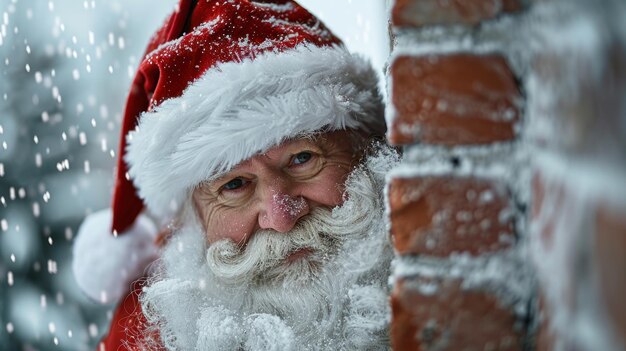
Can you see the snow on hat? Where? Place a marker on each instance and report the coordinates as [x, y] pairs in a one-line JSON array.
[[221, 81]]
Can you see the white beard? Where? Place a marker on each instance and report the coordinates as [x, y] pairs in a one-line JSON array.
[[224, 297]]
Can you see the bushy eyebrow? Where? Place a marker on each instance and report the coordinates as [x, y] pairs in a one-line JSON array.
[[222, 176], [311, 139], [213, 181], [219, 178]]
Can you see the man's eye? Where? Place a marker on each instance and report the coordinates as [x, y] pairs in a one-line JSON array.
[[302, 157], [234, 184]]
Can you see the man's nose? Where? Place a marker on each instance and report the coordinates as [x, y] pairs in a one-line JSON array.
[[282, 209]]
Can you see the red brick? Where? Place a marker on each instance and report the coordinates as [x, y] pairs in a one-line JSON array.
[[562, 122], [547, 199], [548, 208], [450, 318], [610, 254], [440, 215], [583, 114], [453, 99], [417, 13], [593, 233], [539, 193], [545, 338]]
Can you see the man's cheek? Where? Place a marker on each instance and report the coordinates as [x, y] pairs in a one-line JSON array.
[[331, 182], [223, 223]]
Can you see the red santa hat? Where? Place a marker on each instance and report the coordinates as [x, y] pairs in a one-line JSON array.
[[221, 81]]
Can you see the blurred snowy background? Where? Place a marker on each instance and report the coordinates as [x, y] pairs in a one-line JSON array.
[[65, 67]]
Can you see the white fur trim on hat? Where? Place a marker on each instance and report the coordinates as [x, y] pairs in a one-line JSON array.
[[238, 109], [104, 265]]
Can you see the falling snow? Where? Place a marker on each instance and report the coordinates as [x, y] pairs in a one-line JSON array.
[[65, 67]]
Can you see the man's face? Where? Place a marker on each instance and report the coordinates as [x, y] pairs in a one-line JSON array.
[[275, 189], [314, 277]]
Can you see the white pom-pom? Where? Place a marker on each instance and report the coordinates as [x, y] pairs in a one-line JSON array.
[[104, 265]]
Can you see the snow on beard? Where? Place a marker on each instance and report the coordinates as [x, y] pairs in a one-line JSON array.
[[251, 298], [264, 259]]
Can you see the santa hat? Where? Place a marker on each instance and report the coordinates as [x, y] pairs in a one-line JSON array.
[[221, 81]]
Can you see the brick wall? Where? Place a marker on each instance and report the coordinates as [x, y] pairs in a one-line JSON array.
[[508, 213], [576, 129]]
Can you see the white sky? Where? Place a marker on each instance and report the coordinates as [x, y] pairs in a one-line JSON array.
[[361, 24]]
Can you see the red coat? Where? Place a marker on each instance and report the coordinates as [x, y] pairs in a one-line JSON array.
[[127, 329]]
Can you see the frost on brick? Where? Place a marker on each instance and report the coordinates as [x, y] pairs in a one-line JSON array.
[[569, 195]]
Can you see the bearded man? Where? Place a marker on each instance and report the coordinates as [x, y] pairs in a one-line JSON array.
[[250, 133]]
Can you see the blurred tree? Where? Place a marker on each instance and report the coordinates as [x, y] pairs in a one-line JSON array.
[[62, 69]]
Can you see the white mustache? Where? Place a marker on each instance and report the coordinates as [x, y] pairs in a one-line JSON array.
[[322, 232], [268, 249]]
